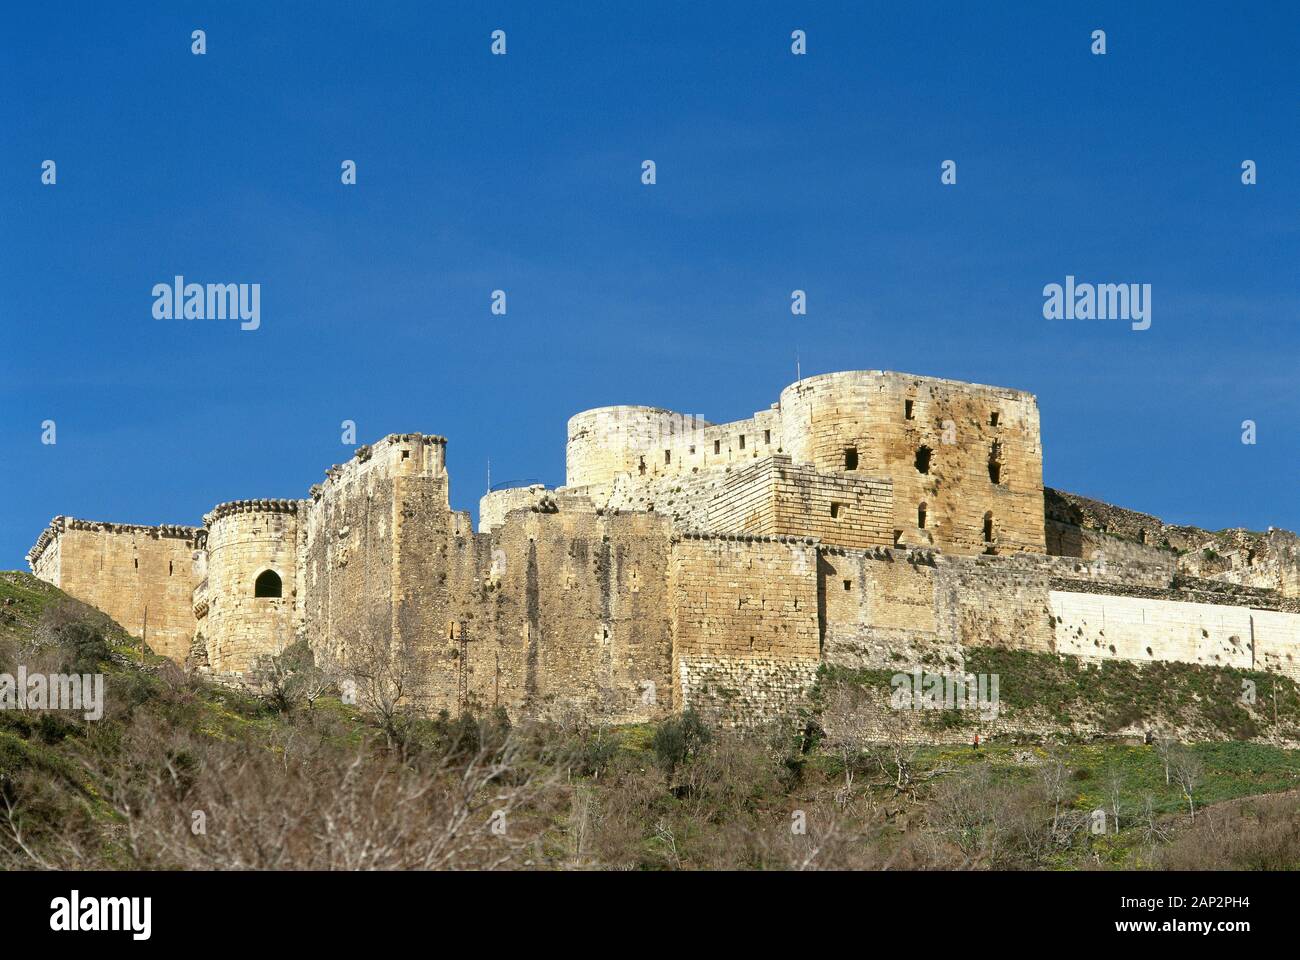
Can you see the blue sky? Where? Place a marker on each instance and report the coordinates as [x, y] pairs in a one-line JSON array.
[[775, 172]]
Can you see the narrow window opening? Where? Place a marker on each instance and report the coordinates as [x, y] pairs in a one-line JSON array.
[[170, 569], [993, 419], [406, 454], [988, 527], [848, 584], [136, 561], [836, 510], [767, 437], [850, 458], [717, 446], [668, 456], [907, 409], [267, 584], [923, 459], [641, 467], [920, 516], [995, 462], [742, 441]]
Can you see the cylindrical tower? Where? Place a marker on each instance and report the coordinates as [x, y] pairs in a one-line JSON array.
[[822, 417], [252, 586], [608, 441]]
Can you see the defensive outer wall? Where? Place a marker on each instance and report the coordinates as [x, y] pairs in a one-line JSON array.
[[865, 519]]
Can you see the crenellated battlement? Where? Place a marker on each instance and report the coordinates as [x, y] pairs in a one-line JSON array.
[[223, 510], [60, 524]]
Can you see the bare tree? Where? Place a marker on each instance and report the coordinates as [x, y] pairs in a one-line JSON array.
[[1165, 747], [1053, 776], [1188, 770], [1115, 794], [1153, 833], [289, 676], [387, 666], [847, 734]]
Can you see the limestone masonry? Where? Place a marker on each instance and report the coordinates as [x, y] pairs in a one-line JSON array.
[[865, 519]]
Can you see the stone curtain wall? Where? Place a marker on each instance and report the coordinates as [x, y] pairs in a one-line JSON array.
[[879, 609], [884, 606], [558, 613], [901, 609], [745, 637], [121, 569], [1142, 629], [650, 443]]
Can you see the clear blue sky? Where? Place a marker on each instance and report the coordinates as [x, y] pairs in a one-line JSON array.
[[522, 172]]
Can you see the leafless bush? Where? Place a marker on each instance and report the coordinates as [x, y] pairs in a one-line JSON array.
[[185, 801], [1262, 833], [996, 825], [386, 667]]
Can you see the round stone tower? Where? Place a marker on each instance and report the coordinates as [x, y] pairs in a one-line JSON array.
[[252, 586], [823, 416], [608, 441]]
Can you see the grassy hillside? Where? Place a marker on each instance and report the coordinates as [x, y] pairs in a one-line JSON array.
[[182, 774], [1190, 700]]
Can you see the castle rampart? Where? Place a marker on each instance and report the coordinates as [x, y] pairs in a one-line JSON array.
[[867, 519], [141, 576]]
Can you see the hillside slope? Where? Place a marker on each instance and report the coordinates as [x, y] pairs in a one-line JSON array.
[[182, 774]]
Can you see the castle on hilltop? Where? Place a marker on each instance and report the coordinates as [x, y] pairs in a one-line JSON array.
[[866, 519]]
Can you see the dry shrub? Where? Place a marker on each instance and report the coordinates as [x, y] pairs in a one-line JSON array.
[[308, 800], [1262, 833]]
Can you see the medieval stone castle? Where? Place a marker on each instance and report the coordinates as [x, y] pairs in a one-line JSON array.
[[866, 519]]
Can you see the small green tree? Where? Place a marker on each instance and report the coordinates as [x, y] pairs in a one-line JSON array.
[[679, 739]]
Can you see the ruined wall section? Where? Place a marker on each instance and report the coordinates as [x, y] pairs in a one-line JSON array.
[[683, 499], [123, 569], [1269, 560], [746, 643], [246, 539], [876, 423], [892, 609]]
